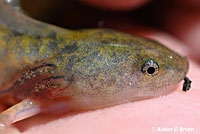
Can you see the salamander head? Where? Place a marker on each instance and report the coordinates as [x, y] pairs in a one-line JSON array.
[[127, 68], [159, 69], [149, 68]]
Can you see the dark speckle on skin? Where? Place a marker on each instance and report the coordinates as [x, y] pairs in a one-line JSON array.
[[52, 35], [70, 48]]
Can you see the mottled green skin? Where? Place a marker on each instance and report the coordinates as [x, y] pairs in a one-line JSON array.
[[101, 67]]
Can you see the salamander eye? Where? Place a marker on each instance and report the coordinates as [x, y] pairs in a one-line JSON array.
[[150, 67]]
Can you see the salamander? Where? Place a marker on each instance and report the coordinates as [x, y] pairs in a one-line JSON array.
[[42, 65]]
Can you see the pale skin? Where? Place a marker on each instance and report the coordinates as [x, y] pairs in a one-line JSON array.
[[180, 108]]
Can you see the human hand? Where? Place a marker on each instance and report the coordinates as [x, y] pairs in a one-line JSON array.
[[177, 109]]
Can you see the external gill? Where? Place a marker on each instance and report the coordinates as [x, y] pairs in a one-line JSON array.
[[33, 74]]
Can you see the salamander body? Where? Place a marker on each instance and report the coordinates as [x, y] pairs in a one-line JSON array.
[[89, 68]]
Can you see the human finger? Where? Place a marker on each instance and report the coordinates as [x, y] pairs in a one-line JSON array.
[[116, 4]]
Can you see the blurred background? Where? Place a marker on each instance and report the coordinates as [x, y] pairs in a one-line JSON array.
[[179, 18]]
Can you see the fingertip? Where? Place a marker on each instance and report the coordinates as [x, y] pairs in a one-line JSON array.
[[185, 24], [116, 4], [189, 3]]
